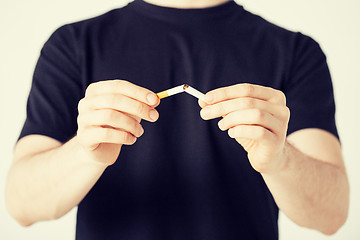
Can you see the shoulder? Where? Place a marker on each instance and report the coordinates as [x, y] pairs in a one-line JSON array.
[[93, 26], [299, 50], [264, 26], [278, 36]]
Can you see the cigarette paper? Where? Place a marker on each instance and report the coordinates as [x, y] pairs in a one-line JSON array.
[[171, 91], [179, 89], [192, 91]]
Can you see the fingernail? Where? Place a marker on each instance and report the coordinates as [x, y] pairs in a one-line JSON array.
[[154, 115], [151, 99]]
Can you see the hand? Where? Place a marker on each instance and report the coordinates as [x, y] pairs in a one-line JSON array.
[[256, 116], [110, 116]]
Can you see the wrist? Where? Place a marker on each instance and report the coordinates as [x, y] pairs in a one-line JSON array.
[[284, 157], [91, 157], [276, 163], [282, 164]]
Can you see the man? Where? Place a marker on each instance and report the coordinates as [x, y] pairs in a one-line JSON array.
[[180, 177]]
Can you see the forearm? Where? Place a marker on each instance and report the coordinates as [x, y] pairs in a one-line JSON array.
[[49, 184], [311, 189], [311, 192], [48, 178]]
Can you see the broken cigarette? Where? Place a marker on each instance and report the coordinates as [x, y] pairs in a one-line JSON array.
[[192, 91], [179, 89], [171, 91]]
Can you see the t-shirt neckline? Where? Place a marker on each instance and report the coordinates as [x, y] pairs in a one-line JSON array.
[[185, 14]]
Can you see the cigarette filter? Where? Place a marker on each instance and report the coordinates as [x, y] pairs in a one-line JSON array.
[[171, 91], [179, 89]]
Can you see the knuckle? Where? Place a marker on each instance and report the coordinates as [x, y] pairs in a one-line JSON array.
[[135, 91], [248, 89], [88, 89], [123, 136], [105, 134], [120, 84], [219, 109], [225, 93], [127, 138], [136, 126], [131, 124], [110, 99], [126, 121], [224, 109], [82, 121], [79, 120], [91, 88], [108, 116], [258, 115], [141, 109], [82, 105], [261, 133], [286, 112], [131, 139], [139, 94], [248, 103], [281, 97]]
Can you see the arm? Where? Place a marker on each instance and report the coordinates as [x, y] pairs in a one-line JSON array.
[[47, 178], [304, 172], [312, 189]]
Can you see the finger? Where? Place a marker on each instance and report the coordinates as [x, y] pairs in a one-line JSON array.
[[245, 90], [138, 119], [93, 136], [201, 103], [125, 88], [111, 119], [223, 108], [251, 132], [157, 104], [84, 107], [122, 103], [250, 117]]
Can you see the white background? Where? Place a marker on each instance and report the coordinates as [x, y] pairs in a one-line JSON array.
[[26, 25]]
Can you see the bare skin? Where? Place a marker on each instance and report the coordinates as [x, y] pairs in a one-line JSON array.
[[48, 179], [305, 171], [187, 3]]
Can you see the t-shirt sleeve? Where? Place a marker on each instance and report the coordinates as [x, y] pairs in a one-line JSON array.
[[309, 89], [56, 89]]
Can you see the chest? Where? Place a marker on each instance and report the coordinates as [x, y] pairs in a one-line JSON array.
[[160, 58]]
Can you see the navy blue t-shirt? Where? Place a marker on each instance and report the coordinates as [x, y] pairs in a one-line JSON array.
[[184, 178]]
